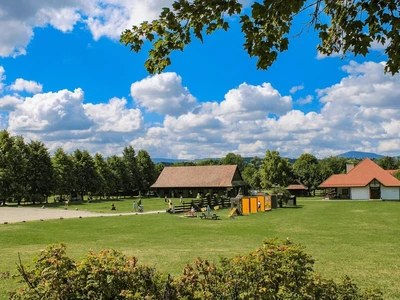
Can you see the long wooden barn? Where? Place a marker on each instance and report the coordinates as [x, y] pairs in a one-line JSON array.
[[188, 181]]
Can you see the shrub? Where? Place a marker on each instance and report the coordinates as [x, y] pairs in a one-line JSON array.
[[277, 270], [106, 275], [283, 195]]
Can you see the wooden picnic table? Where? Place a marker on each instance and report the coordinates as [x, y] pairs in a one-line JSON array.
[[209, 216]]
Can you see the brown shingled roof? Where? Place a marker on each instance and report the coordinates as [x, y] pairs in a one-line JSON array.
[[298, 186], [196, 176], [361, 175]]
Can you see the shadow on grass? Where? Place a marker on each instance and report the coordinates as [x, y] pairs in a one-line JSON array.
[[61, 204], [294, 206]]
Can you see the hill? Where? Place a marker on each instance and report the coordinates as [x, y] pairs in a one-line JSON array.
[[359, 155]]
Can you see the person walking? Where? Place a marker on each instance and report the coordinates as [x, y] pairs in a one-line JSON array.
[[134, 205]]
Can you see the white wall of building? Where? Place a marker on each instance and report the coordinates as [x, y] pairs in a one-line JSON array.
[[359, 193], [390, 193]]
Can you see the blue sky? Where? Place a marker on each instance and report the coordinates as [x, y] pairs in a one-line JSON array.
[[66, 80]]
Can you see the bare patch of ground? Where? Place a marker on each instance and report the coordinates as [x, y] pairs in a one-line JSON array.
[[25, 214]]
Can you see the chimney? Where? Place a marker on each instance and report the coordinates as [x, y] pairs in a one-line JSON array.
[[349, 167]]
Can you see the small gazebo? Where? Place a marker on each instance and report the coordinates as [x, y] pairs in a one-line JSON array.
[[298, 189]]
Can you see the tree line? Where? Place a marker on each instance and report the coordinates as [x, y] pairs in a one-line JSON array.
[[29, 173]]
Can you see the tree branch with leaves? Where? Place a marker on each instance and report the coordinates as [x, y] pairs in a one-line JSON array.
[[343, 26]]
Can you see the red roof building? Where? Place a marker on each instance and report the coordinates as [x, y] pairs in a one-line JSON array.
[[366, 180]]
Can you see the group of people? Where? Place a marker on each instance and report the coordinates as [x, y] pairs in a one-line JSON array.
[[139, 206]]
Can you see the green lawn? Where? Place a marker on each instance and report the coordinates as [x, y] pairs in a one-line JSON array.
[[360, 239]]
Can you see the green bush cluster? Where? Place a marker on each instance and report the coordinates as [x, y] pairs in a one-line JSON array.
[[277, 270]]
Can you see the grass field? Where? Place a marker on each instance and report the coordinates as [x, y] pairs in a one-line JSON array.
[[357, 238]]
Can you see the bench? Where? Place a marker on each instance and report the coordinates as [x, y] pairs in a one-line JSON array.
[[215, 217]]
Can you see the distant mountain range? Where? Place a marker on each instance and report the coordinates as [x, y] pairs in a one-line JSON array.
[[359, 155], [168, 160], [349, 154]]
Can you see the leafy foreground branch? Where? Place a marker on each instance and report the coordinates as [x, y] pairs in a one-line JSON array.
[[277, 270], [343, 26]]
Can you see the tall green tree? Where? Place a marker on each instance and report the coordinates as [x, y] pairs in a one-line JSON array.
[[6, 144], [342, 26], [19, 169], [233, 159], [275, 170], [64, 177], [102, 169], [85, 172], [13, 167], [159, 167], [131, 180], [332, 165], [40, 179], [306, 170], [118, 174], [252, 176], [256, 162], [147, 170], [388, 163]]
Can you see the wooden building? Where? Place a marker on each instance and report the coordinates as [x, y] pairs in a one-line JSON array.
[[188, 181], [298, 189]]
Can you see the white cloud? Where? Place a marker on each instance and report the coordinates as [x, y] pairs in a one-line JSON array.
[[308, 99], [47, 112], [62, 19], [114, 116], [106, 18], [251, 99], [252, 119], [26, 85], [163, 94], [2, 77], [296, 88], [248, 121], [14, 38], [366, 85], [3, 121], [60, 119], [9, 102]]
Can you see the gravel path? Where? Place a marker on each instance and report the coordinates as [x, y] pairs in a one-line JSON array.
[[21, 214]]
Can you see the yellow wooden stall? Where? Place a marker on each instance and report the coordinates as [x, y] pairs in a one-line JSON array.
[[245, 206], [268, 203], [260, 202], [253, 204]]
